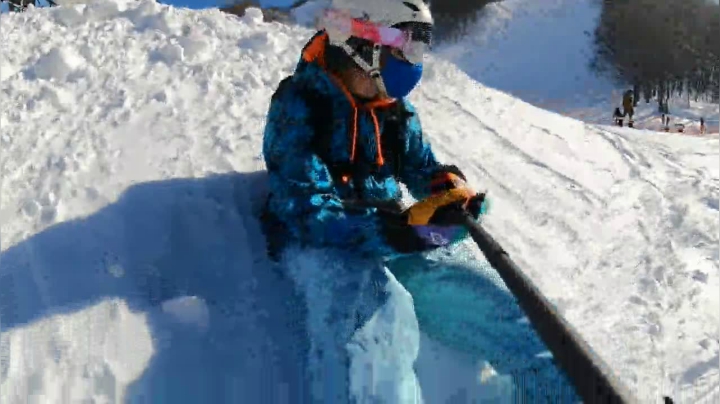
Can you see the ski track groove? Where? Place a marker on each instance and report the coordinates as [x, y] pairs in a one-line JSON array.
[[671, 272], [575, 187], [539, 216]]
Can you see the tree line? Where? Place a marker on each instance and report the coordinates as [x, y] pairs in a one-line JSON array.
[[664, 48], [22, 5], [452, 17]]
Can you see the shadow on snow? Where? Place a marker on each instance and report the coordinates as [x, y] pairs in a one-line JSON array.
[[200, 237]]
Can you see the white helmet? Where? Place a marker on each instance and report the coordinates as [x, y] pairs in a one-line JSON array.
[[386, 12], [414, 15]]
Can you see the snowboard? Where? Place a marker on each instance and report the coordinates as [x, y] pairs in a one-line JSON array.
[[463, 304]]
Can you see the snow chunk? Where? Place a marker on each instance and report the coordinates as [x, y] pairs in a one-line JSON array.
[[373, 363], [188, 310], [307, 14], [164, 23], [99, 10], [253, 16], [59, 97], [149, 15], [169, 54], [128, 345], [264, 43], [69, 16], [7, 70], [58, 64], [195, 48], [137, 14]]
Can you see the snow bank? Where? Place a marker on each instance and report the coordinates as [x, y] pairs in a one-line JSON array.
[[375, 362], [113, 287], [93, 353], [131, 168]]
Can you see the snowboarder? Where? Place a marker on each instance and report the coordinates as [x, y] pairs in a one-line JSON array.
[[702, 125], [340, 137]]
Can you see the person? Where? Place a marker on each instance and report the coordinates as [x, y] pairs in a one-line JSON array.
[[340, 138], [628, 106], [618, 116], [702, 125]]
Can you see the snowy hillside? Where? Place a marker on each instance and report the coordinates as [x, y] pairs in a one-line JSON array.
[[538, 51], [687, 113], [132, 131]]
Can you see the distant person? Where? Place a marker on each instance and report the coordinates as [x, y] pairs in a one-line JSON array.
[[618, 117], [628, 105], [667, 123], [702, 125]]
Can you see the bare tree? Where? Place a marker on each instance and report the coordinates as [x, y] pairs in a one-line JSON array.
[[453, 16], [22, 5], [665, 47]]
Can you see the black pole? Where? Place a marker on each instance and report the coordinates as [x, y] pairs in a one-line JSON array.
[[592, 378]]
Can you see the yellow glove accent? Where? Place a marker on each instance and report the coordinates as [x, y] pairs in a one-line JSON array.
[[421, 212]]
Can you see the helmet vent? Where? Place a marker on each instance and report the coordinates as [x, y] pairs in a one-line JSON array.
[[411, 6]]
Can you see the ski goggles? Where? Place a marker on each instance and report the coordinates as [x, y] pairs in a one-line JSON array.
[[412, 39]]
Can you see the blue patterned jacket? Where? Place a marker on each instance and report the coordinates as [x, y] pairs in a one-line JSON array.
[[303, 194]]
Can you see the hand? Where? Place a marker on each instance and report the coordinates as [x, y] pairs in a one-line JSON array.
[[478, 205], [455, 213], [450, 200]]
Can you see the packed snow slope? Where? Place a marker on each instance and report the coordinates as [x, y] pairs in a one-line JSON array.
[[131, 137], [682, 111], [538, 51]]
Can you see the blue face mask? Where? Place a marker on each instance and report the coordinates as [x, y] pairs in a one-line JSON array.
[[400, 77]]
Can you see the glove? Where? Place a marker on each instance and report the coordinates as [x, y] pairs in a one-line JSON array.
[[450, 178], [453, 214], [436, 221], [450, 198]]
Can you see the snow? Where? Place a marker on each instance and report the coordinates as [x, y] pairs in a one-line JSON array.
[[307, 13], [381, 353], [57, 64], [129, 129], [682, 111], [188, 310], [538, 51]]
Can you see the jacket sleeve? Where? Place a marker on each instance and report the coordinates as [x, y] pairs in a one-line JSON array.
[[419, 162], [304, 196]]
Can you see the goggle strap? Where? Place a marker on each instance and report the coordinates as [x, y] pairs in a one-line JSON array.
[[381, 86], [356, 57], [374, 69], [377, 49]]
